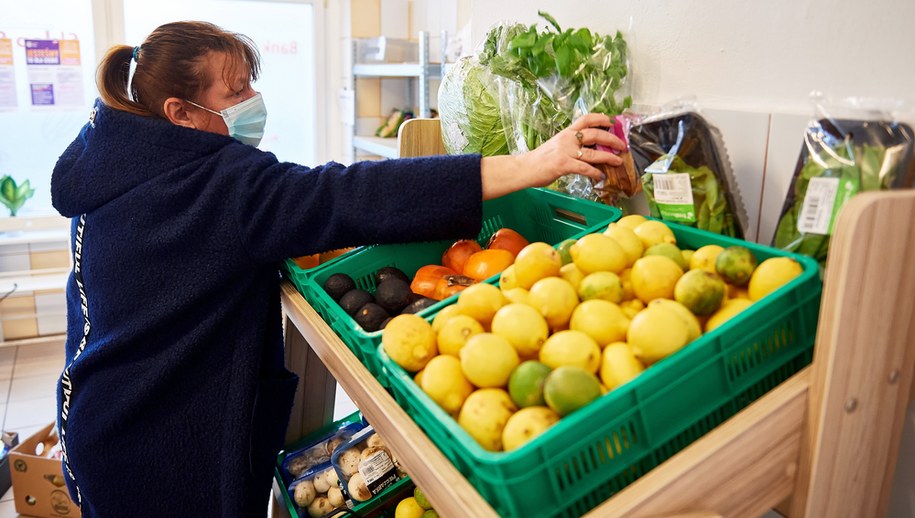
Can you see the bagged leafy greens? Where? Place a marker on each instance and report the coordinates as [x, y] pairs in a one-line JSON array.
[[685, 171], [851, 146], [468, 103]]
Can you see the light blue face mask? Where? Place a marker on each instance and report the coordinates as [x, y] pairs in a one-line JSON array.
[[245, 120]]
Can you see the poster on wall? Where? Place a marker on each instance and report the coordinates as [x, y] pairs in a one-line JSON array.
[[7, 75], [54, 74]]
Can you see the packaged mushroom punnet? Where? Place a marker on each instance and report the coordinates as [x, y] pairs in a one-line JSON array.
[[365, 466], [297, 462], [317, 491]]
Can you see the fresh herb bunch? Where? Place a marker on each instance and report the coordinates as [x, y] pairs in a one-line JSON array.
[[14, 196], [558, 73]]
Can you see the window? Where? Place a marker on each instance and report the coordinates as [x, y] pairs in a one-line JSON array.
[[45, 101]]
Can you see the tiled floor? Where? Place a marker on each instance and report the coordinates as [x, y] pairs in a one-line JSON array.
[[28, 377]]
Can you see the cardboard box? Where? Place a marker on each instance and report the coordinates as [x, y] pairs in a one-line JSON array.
[[38, 481]]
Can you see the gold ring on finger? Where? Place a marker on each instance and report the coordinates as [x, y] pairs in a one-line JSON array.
[[579, 135], [579, 154]]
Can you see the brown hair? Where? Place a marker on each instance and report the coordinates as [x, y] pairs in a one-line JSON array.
[[171, 63]]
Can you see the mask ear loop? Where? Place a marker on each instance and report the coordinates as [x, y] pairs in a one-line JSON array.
[[133, 68]]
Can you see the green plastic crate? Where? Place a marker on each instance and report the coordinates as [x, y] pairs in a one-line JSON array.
[[299, 276], [370, 508], [598, 450], [537, 214]]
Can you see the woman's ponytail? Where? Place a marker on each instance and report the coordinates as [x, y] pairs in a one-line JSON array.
[[112, 79]]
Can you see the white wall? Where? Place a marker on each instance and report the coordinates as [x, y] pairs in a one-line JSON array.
[[764, 56]]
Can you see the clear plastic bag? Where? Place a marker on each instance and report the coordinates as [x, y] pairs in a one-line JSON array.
[[685, 170], [365, 466], [852, 145], [468, 103]]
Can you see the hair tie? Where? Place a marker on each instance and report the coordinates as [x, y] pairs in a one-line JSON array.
[[136, 52]]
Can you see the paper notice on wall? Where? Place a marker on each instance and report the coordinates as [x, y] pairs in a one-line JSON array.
[[54, 73], [7, 76]]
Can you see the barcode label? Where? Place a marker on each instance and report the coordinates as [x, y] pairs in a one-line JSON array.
[[377, 468], [816, 213], [673, 189]]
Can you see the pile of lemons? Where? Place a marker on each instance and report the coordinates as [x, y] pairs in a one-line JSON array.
[[569, 323]]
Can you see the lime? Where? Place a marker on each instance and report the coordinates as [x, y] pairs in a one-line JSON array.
[[668, 250], [525, 386], [569, 388], [563, 249], [735, 264], [421, 498], [700, 291]]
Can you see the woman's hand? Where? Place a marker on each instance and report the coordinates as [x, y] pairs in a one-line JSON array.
[[565, 153]]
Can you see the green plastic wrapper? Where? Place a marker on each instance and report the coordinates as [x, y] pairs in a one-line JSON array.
[[841, 157], [686, 174]]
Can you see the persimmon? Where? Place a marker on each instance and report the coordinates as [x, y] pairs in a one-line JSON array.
[[451, 284], [457, 254], [333, 254], [425, 279], [507, 239], [486, 263], [306, 261]]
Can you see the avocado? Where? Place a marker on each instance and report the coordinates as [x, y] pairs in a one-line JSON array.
[[385, 322], [354, 299], [393, 295], [418, 305], [370, 316], [338, 284], [390, 272]]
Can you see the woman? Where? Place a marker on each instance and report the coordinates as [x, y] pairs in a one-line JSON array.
[[175, 399]]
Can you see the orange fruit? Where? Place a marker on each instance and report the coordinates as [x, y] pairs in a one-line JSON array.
[[486, 263]]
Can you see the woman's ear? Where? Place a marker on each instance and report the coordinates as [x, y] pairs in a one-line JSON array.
[[176, 112]]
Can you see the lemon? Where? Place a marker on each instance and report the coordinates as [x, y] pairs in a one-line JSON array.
[[632, 307], [631, 221], [516, 296], [652, 232], [654, 277], [418, 378], [704, 258], [655, 333], [736, 292], [618, 365], [692, 321], [526, 424], [534, 262], [700, 291], [601, 285], [569, 388], [446, 313], [603, 321], [409, 341], [687, 257], [488, 360], [525, 385], [455, 333], [571, 347], [628, 241], [445, 383], [626, 279], [727, 311], [735, 264], [507, 279], [571, 273], [598, 253], [555, 299], [668, 250], [484, 415], [772, 274], [480, 302], [408, 508], [523, 326]]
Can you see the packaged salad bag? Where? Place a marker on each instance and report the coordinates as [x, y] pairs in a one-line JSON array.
[[685, 170], [852, 145]]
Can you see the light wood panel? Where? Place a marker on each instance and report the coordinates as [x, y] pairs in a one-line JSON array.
[[420, 137], [864, 361]]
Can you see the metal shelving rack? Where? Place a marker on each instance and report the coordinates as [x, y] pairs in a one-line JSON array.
[[420, 74]]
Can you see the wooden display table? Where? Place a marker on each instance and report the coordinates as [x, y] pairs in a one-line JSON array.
[[828, 437]]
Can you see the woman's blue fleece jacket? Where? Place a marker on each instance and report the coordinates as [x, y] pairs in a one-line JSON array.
[[175, 400]]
